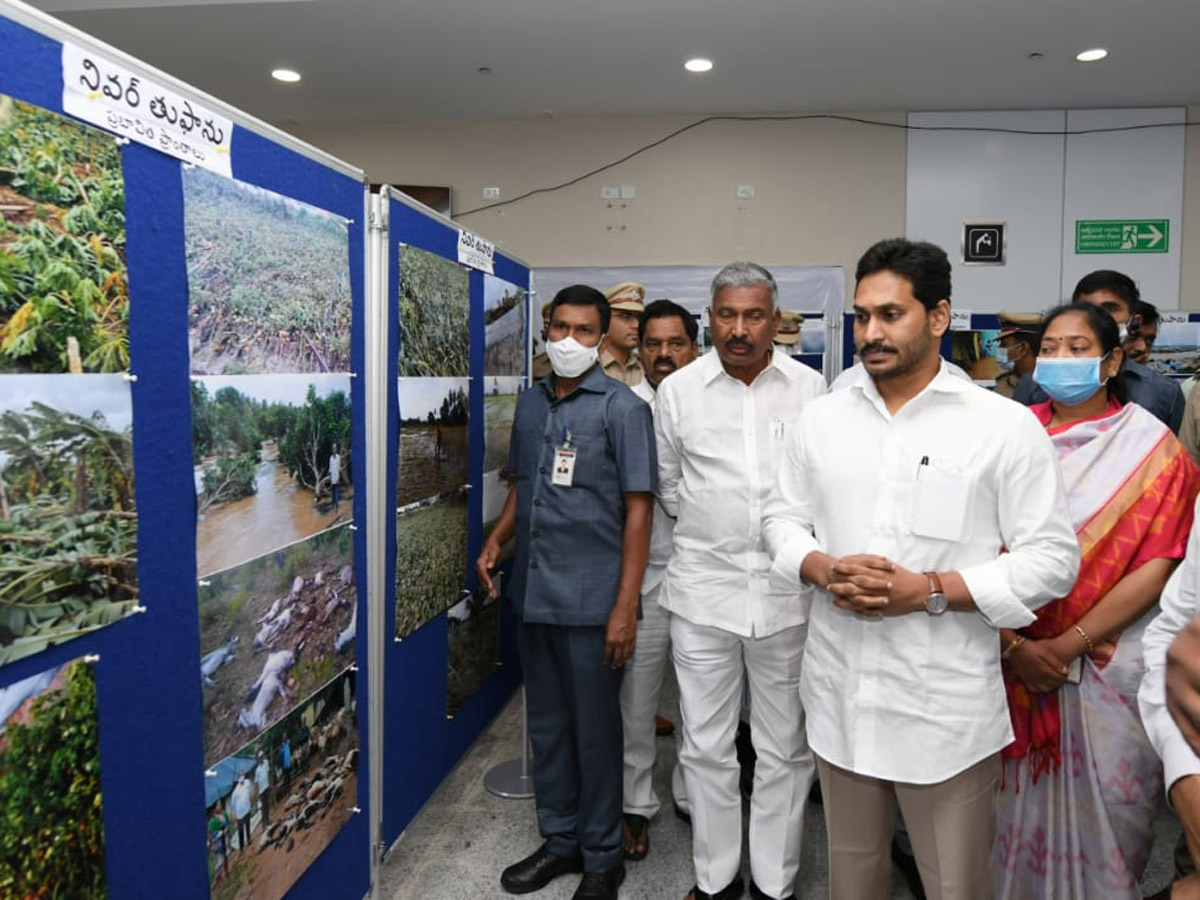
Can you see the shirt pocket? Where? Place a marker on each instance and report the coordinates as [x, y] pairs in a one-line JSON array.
[[941, 501], [594, 466]]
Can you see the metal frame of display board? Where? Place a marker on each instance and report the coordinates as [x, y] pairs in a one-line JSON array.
[[147, 685]]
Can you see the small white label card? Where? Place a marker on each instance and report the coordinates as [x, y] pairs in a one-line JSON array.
[[104, 93], [564, 467], [475, 252], [960, 320]]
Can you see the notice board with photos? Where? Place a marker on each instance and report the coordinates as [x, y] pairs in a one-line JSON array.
[[182, 487]]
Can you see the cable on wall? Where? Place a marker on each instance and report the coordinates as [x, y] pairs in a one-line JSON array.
[[854, 120]]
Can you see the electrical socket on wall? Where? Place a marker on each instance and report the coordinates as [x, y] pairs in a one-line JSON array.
[[609, 192], [745, 192], [491, 193]]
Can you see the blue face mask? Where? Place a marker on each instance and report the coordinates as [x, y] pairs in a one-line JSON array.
[[1001, 356], [1069, 380]]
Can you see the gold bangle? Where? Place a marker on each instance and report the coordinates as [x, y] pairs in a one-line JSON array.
[[1087, 640], [1016, 642]]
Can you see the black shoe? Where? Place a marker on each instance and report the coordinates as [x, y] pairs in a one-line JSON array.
[[731, 891], [758, 894], [600, 885], [908, 868], [682, 814], [537, 870]]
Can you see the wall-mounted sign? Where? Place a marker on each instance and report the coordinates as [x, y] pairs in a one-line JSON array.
[[983, 243], [1122, 235]]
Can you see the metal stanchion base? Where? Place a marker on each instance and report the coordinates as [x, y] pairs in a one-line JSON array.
[[509, 780]]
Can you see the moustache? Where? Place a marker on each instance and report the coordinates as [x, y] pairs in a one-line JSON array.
[[738, 342], [875, 348], [665, 365]]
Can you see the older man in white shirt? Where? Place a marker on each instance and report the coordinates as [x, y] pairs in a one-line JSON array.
[[896, 497], [1177, 629], [720, 426]]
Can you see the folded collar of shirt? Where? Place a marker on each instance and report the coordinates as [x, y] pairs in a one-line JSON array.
[[595, 381], [712, 367], [945, 381]]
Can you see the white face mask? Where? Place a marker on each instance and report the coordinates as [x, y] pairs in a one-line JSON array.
[[569, 358]]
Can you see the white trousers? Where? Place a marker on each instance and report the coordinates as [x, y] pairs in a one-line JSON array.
[[710, 664], [640, 689]]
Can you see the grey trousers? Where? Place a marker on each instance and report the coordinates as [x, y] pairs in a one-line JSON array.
[[572, 701]]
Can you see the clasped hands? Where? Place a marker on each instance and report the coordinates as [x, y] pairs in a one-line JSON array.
[[867, 584]]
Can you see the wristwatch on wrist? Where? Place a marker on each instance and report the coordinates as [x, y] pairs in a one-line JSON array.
[[937, 602]]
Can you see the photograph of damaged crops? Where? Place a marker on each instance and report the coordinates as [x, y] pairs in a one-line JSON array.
[[504, 327], [68, 518], [472, 646], [431, 530], [434, 314], [51, 814], [272, 631], [276, 803], [64, 292], [268, 280], [263, 451]]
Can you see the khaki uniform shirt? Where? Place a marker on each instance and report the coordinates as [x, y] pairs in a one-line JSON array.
[[1006, 384], [630, 374]]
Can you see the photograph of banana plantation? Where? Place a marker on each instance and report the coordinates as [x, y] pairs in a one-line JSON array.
[[51, 815], [268, 280], [271, 459], [64, 291], [68, 518]]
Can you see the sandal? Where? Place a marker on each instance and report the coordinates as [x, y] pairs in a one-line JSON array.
[[636, 831], [731, 891]]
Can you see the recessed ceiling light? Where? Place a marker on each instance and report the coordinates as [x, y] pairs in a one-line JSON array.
[[699, 64], [288, 75], [1096, 53]]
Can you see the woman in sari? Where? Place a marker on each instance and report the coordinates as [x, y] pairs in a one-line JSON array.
[[1081, 780]]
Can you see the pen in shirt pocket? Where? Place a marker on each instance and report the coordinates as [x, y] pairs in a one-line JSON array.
[[921, 466]]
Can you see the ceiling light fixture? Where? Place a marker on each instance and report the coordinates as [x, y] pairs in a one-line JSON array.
[[699, 64], [288, 75], [1093, 55]]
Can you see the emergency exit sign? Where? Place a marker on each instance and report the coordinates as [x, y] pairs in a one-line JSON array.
[[1122, 235]]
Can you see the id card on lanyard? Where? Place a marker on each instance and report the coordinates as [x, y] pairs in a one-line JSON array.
[[563, 473]]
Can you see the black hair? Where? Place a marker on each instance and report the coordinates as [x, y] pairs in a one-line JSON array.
[[925, 266], [1116, 283], [582, 295], [1104, 327], [1147, 310], [663, 309]]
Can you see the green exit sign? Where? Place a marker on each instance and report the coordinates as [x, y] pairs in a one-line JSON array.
[[1122, 235]]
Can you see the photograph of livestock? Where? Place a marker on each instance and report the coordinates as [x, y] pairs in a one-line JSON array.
[[50, 787], [499, 406], [68, 519], [273, 806], [1177, 349], [268, 280], [504, 327], [434, 315], [433, 438], [271, 458], [64, 288], [431, 560], [472, 647], [271, 631]]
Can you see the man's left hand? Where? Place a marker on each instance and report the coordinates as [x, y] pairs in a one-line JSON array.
[[620, 635]]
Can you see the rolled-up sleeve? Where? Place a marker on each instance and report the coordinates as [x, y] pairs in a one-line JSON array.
[[670, 456], [1042, 561], [1180, 602], [788, 516]]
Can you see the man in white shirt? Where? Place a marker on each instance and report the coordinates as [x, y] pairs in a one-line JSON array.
[[896, 497], [667, 342], [720, 426], [1172, 642]]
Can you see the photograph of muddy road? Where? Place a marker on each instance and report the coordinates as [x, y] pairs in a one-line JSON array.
[[64, 290], [306, 805], [268, 280], [504, 324], [272, 631], [433, 438], [434, 314], [68, 518], [52, 819], [262, 448]]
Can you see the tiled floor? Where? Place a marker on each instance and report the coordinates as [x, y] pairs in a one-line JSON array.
[[457, 846]]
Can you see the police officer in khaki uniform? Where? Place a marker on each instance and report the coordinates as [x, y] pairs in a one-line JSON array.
[[788, 335], [1018, 348], [618, 357], [541, 362]]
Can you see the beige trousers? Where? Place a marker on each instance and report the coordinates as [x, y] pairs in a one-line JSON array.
[[951, 825]]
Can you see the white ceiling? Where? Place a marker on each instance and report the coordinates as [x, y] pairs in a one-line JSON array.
[[416, 60]]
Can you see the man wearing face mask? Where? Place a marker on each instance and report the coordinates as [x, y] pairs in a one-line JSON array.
[[721, 425], [583, 455], [667, 343], [1116, 292], [1017, 348]]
